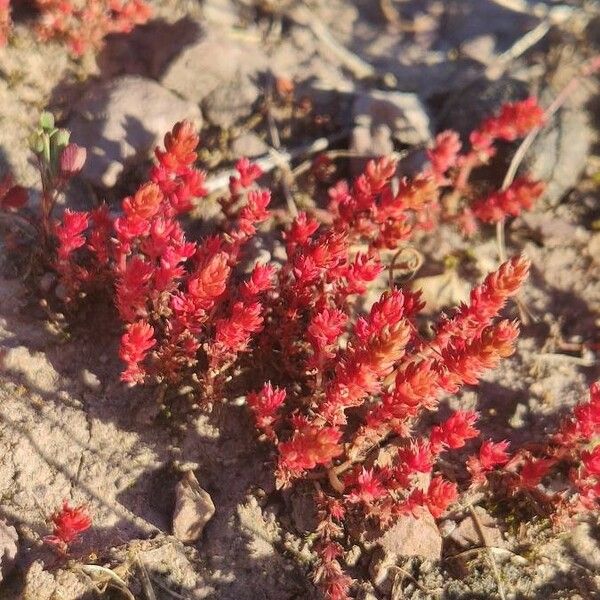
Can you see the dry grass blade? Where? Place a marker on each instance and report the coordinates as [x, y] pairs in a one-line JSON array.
[[146, 583], [361, 69], [108, 577], [484, 540]]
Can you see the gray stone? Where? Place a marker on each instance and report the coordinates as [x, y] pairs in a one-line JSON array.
[[411, 536], [480, 48], [404, 115], [121, 121], [230, 101], [467, 108], [149, 49], [249, 145], [559, 153], [90, 380], [408, 537], [467, 534], [194, 508], [211, 62]]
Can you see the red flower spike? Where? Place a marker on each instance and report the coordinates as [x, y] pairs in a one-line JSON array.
[[135, 344], [444, 155], [310, 446], [514, 120], [324, 329], [261, 280], [493, 454], [180, 147], [379, 172], [83, 26], [521, 195], [265, 405], [591, 461], [300, 232], [248, 172], [381, 339], [534, 471], [5, 21], [440, 495], [67, 525], [233, 334], [455, 431], [486, 302], [415, 458], [368, 487], [69, 232], [145, 203]]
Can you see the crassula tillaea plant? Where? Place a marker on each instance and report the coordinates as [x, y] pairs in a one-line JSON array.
[[351, 395]]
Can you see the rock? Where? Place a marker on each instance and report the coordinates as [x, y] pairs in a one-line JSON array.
[[39, 584], [222, 12], [367, 141], [552, 231], [380, 118], [121, 121], [446, 527], [467, 108], [442, 290], [230, 101], [8, 549], [47, 280], [411, 536], [149, 49], [582, 537], [559, 153], [353, 555], [211, 62], [480, 48], [408, 537], [42, 584], [466, 534], [249, 145], [304, 514], [593, 248], [518, 419], [404, 114], [194, 508], [172, 561], [90, 380]]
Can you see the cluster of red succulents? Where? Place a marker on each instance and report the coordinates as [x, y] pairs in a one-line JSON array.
[[178, 299], [452, 169], [81, 24], [368, 380], [561, 476], [351, 393]]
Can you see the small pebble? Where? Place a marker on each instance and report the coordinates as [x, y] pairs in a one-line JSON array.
[[446, 527], [90, 380]]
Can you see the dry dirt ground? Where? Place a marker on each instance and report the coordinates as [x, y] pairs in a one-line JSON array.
[[70, 430]]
